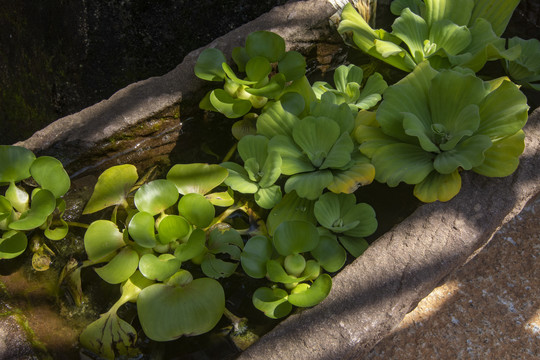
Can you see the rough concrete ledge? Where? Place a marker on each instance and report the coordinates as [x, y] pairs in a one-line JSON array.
[[373, 294], [299, 23]]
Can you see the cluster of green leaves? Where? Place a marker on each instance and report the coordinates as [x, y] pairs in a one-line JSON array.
[[269, 71], [32, 202], [447, 33]]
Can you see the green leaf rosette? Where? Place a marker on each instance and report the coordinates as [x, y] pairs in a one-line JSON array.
[[452, 121]]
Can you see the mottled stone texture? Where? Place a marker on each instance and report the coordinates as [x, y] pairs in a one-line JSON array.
[[373, 294]]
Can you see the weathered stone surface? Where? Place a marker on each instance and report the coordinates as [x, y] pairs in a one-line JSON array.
[[372, 295], [299, 23], [13, 341]]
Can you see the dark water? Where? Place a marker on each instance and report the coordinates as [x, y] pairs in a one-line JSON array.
[[60, 56]]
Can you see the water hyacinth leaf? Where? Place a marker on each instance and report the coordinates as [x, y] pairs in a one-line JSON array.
[[253, 146], [102, 239], [414, 164], [42, 205], [141, 228], [240, 57], [329, 253], [156, 196], [294, 237], [413, 30], [15, 162], [196, 178], [229, 106], [17, 197], [292, 65], [305, 296], [173, 227], [276, 273], [270, 90], [49, 173], [258, 68], [416, 6], [294, 264], [268, 197], [159, 268], [169, 311], [502, 158], [496, 12], [276, 121], [272, 302], [467, 154], [226, 241], [367, 222], [354, 245], [291, 207], [293, 102], [309, 185], [360, 172], [194, 247], [12, 244], [216, 268], [340, 153], [5, 208], [121, 267], [265, 44], [110, 336], [112, 187], [238, 179], [256, 253], [58, 231], [316, 136], [441, 187], [198, 210], [208, 66], [503, 112], [293, 160]]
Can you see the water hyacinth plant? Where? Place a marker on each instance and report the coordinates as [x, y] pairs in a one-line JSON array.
[[447, 33], [41, 209], [432, 125]]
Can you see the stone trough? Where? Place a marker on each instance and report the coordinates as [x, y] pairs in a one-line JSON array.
[[370, 296]]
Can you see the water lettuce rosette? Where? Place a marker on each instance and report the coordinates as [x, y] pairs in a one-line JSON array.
[[431, 125]]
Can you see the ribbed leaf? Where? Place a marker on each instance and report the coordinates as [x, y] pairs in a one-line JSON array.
[[441, 187]]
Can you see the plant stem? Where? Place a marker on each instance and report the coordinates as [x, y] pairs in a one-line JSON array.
[[230, 153], [77, 224]]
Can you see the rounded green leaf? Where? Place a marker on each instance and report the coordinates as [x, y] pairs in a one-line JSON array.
[[229, 106], [367, 222], [18, 197], [240, 57], [256, 253], [12, 244], [208, 66], [291, 207], [354, 245], [42, 205], [294, 264], [502, 158], [216, 268], [196, 178], [193, 247], [272, 302], [294, 237], [222, 198], [167, 312], [268, 197], [173, 227], [277, 273], [435, 186], [102, 239], [156, 196], [305, 296], [309, 185], [292, 65], [112, 187], [159, 268], [196, 209], [141, 228], [5, 208], [265, 44], [58, 231], [49, 173], [258, 68], [15, 162], [121, 267], [293, 102], [329, 253]]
